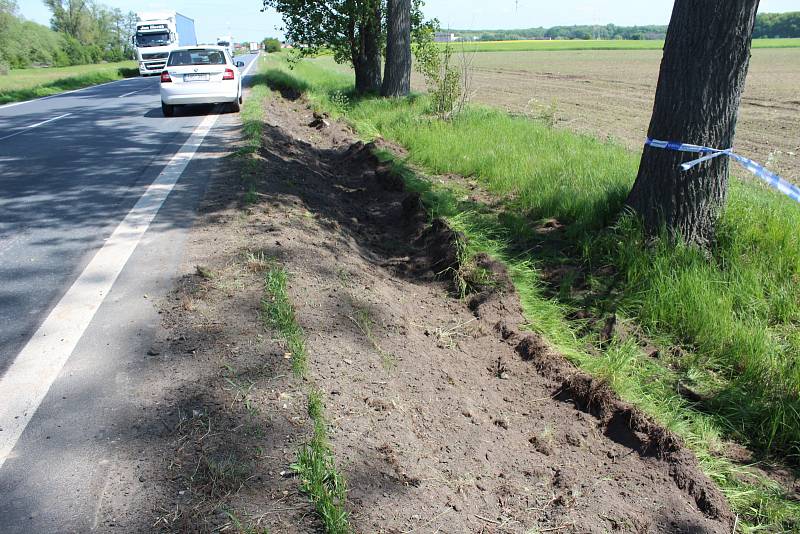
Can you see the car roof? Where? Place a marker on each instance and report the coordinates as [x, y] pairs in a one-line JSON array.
[[199, 47]]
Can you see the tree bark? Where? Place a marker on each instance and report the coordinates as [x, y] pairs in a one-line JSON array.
[[703, 71], [397, 74], [367, 60]]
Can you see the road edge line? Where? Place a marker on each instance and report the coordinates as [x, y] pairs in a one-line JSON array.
[[36, 367], [250, 66]]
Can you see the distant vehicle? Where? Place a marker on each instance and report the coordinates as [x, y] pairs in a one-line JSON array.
[[228, 43], [254, 47], [156, 35], [200, 75]]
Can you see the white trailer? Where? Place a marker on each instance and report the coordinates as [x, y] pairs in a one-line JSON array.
[[156, 35], [254, 47]]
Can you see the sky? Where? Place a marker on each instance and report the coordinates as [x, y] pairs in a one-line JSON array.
[[245, 22]]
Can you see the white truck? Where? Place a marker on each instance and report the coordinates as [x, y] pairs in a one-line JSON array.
[[254, 47], [156, 35], [227, 42]]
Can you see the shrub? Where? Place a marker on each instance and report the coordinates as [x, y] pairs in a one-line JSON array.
[[94, 53], [61, 59], [272, 45], [115, 54], [446, 79], [75, 51]]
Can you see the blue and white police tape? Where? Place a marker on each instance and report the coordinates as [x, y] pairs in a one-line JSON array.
[[790, 190]]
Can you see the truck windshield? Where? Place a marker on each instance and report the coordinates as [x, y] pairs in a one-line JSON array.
[[152, 39]]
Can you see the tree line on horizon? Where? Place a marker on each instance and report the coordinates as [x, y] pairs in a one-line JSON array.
[[80, 32], [768, 26]]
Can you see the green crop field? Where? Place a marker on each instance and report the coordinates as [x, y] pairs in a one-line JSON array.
[[561, 45], [24, 84]]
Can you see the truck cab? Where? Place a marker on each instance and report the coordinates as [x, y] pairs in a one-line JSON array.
[[156, 35], [227, 42]]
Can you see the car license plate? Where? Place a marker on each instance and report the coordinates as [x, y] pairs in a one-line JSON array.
[[195, 77]]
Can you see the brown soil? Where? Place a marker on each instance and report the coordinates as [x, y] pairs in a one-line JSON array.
[[445, 416], [434, 414], [222, 419]]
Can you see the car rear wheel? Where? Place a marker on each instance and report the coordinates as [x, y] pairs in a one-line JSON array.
[[236, 105], [167, 109]]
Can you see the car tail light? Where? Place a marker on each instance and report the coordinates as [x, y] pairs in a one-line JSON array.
[[165, 77], [228, 74]]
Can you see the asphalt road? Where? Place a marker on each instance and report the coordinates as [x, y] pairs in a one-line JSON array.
[[71, 168]]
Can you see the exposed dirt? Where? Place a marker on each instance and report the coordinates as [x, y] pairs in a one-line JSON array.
[[437, 405], [223, 420], [446, 416]]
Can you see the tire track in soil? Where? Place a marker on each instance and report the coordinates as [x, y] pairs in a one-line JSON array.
[[445, 416]]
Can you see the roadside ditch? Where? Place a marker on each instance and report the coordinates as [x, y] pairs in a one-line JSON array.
[[442, 411]]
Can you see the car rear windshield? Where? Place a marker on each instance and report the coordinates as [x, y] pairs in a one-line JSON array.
[[196, 56]]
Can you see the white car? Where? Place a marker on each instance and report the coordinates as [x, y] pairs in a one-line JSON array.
[[200, 75]]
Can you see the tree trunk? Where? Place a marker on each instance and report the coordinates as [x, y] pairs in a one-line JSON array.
[[397, 74], [706, 56], [367, 62]]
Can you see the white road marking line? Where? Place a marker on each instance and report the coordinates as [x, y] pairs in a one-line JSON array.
[[133, 92], [49, 120], [11, 105], [14, 235], [26, 128], [250, 66], [26, 383]]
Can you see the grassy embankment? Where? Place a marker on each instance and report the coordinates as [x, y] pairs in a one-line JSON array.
[[315, 464], [727, 326], [540, 46], [252, 114], [25, 84]]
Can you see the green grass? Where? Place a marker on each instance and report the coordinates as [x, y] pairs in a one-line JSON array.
[[252, 115], [277, 312], [776, 43], [315, 463], [734, 314], [599, 44], [25, 84], [320, 479]]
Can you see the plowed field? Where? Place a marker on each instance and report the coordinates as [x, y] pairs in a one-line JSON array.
[[610, 94]]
